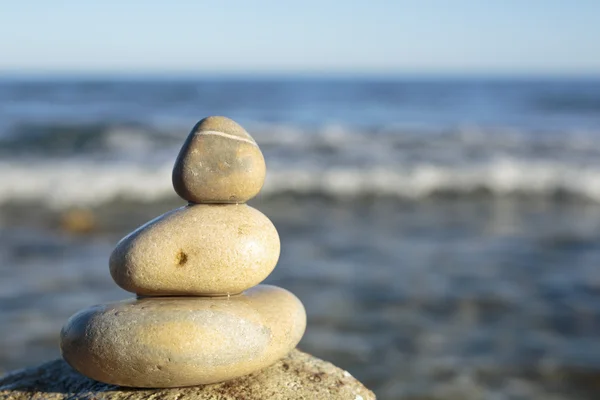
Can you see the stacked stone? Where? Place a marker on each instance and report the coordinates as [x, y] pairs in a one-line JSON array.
[[200, 316]]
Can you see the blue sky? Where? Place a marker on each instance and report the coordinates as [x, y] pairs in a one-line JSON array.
[[394, 36]]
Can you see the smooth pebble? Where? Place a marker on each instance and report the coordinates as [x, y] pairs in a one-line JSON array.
[[197, 250], [219, 163], [183, 341]]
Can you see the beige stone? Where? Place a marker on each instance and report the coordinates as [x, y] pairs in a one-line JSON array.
[[297, 376], [219, 163], [197, 250], [183, 341]]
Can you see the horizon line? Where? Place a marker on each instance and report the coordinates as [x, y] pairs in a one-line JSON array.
[[328, 74]]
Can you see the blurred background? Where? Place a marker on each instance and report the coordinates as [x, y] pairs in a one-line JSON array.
[[433, 171]]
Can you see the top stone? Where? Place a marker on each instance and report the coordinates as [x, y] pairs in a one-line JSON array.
[[219, 163]]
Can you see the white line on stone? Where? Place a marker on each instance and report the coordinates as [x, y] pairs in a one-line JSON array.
[[228, 136]]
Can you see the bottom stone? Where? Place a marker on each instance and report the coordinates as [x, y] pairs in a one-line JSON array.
[[159, 342], [297, 376]]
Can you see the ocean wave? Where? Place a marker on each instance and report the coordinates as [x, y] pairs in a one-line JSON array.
[[68, 138], [60, 139], [71, 183]]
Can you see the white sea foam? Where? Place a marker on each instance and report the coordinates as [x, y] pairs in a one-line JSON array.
[[500, 177], [69, 182]]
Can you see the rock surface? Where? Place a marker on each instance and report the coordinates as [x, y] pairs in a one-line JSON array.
[[183, 341], [200, 249], [297, 376], [219, 163]]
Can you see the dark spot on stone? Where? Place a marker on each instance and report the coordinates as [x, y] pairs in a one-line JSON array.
[[340, 383], [117, 313], [317, 377], [181, 258], [320, 375], [285, 366], [158, 367]]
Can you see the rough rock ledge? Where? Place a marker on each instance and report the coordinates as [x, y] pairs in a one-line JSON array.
[[297, 376]]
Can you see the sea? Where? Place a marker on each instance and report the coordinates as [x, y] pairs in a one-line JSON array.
[[443, 233]]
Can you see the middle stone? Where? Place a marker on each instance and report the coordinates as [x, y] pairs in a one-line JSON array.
[[197, 250]]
